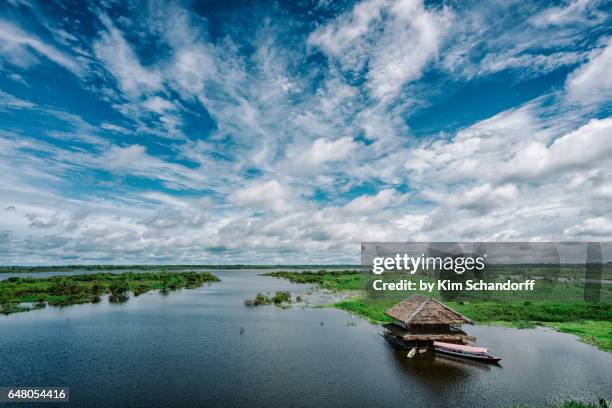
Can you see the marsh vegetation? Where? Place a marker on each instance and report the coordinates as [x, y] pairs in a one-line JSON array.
[[280, 298], [560, 309], [16, 292]]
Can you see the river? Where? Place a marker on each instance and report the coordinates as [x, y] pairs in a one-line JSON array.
[[203, 347]]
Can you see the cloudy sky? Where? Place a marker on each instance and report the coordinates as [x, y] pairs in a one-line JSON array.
[[271, 132]]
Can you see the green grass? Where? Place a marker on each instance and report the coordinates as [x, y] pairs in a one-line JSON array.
[[87, 288], [375, 313], [597, 333], [332, 280], [592, 322], [543, 311]]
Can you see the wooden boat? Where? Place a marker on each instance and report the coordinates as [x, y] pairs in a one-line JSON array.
[[475, 353]]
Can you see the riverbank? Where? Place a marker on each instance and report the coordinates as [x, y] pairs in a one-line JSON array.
[[592, 322], [21, 294]]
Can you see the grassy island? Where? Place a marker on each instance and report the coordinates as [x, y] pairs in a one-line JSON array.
[[592, 322], [18, 293], [279, 299]]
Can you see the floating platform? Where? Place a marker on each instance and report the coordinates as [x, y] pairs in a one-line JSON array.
[[407, 339]]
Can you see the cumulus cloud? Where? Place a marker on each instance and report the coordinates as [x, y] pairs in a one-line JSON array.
[[484, 197], [321, 151], [365, 204], [477, 151], [592, 81], [588, 146], [269, 195], [593, 227]]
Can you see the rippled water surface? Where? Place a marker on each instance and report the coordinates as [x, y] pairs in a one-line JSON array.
[[186, 349]]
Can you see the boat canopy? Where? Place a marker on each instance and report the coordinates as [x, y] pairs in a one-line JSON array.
[[458, 347]]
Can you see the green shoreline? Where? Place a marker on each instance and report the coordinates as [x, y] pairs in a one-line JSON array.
[[160, 267], [592, 323], [87, 288]]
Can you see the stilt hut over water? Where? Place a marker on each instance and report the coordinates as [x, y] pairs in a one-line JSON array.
[[418, 321]]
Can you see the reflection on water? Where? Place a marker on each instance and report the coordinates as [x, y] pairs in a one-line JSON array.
[[439, 368], [203, 347]]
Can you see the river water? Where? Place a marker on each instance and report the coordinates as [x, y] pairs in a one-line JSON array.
[[203, 347]]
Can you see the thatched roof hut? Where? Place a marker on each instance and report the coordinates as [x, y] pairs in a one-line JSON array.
[[420, 320], [423, 310]]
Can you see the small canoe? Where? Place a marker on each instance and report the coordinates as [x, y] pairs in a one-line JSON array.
[[411, 353], [474, 353]]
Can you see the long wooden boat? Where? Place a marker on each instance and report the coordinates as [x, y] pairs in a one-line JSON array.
[[475, 353]]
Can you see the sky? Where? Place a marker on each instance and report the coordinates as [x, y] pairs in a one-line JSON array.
[[289, 132]]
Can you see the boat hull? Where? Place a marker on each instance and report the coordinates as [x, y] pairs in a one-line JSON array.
[[489, 359]]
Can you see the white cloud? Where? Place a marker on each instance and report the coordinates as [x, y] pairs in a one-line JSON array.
[[528, 64], [408, 43], [321, 151], [575, 11], [489, 39], [269, 195], [485, 197], [367, 204], [123, 63], [592, 82], [476, 152], [335, 38], [165, 199], [17, 47], [586, 147], [159, 105], [591, 227], [192, 67], [9, 101], [134, 160], [114, 128], [395, 39], [126, 157], [141, 89]]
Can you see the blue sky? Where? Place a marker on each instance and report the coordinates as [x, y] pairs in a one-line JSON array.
[[288, 132]]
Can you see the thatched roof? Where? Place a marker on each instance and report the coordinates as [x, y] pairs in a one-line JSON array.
[[419, 309]]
